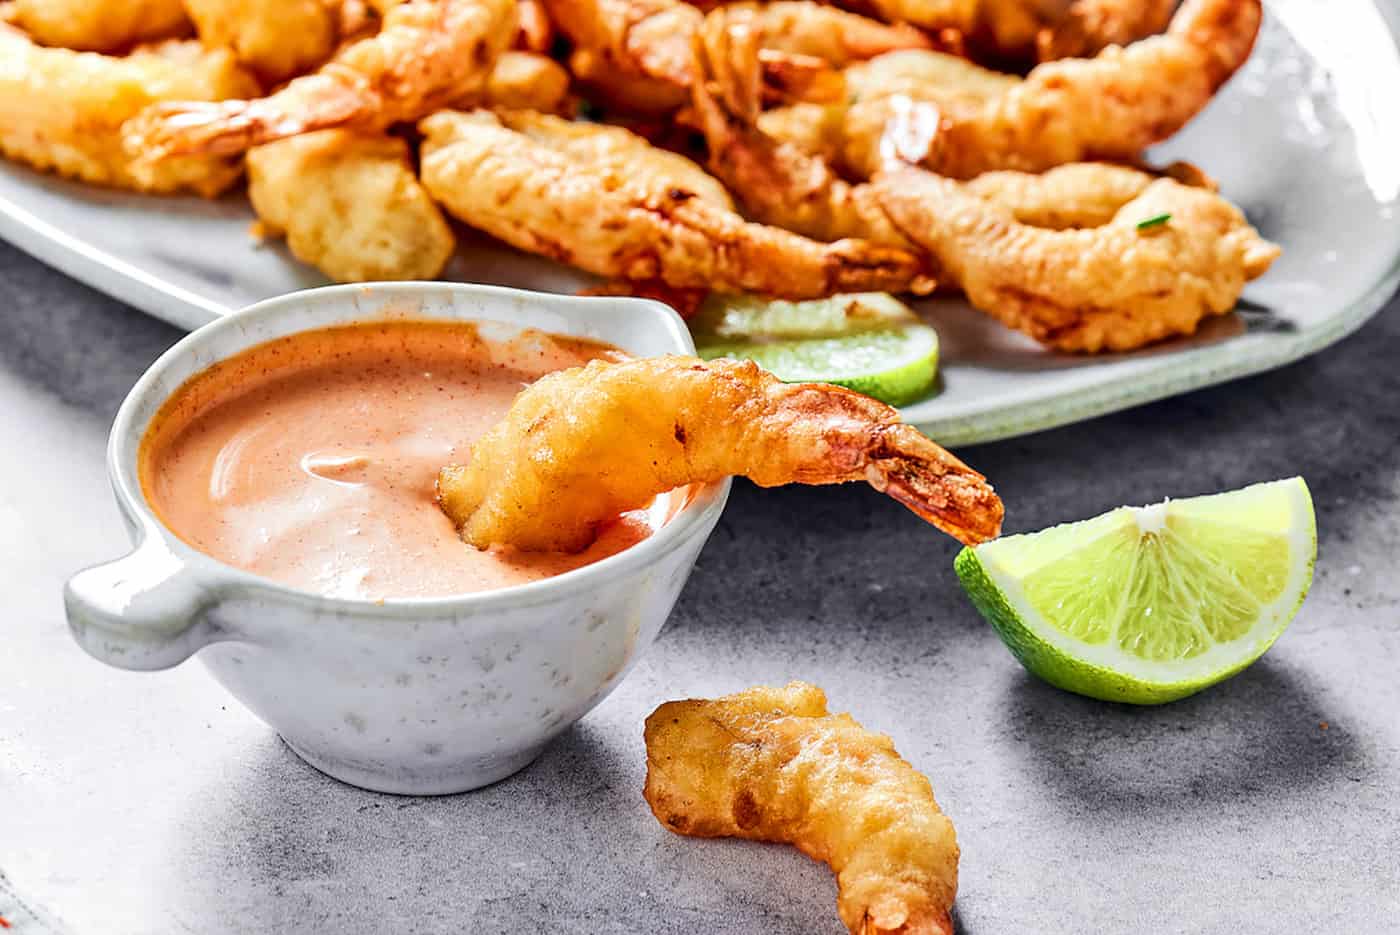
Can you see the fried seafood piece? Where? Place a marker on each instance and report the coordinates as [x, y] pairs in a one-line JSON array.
[[61, 111], [1003, 29], [804, 27], [579, 447], [773, 764], [638, 220], [1111, 287], [97, 26], [427, 54], [618, 151], [1090, 26], [1110, 107], [1056, 255], [275, 38], [350, 205], [535, 32], [523, 81], [640, 55]]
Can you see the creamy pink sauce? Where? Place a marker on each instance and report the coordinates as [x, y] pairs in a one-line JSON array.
[[312, 459]]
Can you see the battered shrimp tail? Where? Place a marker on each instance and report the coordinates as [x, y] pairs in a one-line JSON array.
[[956, 502], [582, 446], [427, 54]]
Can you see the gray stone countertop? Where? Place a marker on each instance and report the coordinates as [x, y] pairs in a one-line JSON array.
[[153, 803]]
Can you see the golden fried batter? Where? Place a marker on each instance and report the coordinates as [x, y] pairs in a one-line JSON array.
[[62, 111], [1056, 255], [580, 447], [349, 205], [99, 25], [276, 38], [1112, 287], [1091, 26], [773, 764], [972, 120], [620, 224], [640, 55], [427, 54], [524, 81]]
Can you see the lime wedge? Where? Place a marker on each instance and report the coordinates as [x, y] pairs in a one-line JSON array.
[[1150, 604], [869, 342]]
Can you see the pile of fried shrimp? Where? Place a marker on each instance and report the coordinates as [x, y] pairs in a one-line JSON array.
[[792, 149]]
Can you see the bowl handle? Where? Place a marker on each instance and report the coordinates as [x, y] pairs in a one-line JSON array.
[[147, 610]]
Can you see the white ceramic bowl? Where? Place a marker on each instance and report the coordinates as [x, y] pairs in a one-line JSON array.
[[415, 696]]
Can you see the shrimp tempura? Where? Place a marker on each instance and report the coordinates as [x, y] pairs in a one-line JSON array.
[[772, 764], [581, 446], [426, 55]]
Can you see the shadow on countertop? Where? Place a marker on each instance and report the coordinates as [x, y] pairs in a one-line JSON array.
[[1248, 737]]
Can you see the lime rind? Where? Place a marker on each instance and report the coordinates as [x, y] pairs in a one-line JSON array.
[[895, 366], [1081, 660]]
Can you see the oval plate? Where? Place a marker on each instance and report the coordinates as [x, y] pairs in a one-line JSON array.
[[1304, 139]]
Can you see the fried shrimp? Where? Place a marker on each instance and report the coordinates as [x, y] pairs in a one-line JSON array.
[[1056, 255], [90, 26], [62, 111], [640, 55], [1109, 287], [523, 81], [350, 205], [639, 221], [1090, 26], [427, 54], [1108, 107], [275, 38], [773, 764], [580, 447]]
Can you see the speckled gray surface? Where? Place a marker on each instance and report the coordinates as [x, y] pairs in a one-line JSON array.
[[152, 803]]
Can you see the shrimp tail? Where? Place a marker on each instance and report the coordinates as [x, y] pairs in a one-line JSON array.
[[935, 485]]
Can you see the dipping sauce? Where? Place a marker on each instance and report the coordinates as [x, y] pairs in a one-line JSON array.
[[312, 459]]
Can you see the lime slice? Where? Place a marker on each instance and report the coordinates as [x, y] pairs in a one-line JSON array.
[[871, 342], [746, 317], [1150, 604]]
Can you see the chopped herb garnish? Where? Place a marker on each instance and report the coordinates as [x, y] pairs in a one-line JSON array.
[[587, 110], [1157, 220]]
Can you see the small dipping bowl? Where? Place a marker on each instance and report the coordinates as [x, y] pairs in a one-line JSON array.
[[418, 696]]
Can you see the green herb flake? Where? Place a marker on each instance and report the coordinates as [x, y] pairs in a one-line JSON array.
[[1157, 220], [587, 110]]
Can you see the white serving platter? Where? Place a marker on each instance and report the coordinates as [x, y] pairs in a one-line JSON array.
[[1306, 139]]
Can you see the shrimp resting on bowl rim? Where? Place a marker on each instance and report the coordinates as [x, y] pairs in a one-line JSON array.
[[581, 446], [773, 764]]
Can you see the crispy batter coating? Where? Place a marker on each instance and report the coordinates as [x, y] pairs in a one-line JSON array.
[[1080, 194], [615, 150], [89, 26], [524, 81], [62, 111], [1111, 287], [773, 764], [350, 205], [804, 27], [1003, 29], [618, 223], [581, 446], [972, 120], [640, 55], [536, 29], [1056, 255], [427, 54], [276, 38], [1091, 26]]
